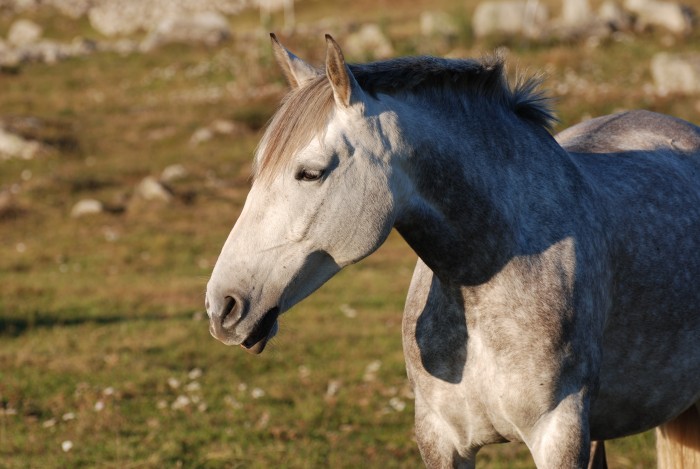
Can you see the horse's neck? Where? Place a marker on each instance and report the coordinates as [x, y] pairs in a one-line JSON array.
[[484, 194]]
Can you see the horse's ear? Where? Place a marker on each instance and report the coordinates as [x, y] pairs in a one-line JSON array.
[[346, 90], [295, 70]]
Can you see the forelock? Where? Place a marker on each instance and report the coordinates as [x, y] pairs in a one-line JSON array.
[[303, 113]]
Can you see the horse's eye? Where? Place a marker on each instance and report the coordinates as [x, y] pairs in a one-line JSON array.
[[309, 174]]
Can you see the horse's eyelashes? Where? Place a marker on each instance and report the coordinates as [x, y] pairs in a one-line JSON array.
[[305, 174]]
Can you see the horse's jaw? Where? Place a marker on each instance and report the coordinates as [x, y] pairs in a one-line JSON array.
[[255, 344]]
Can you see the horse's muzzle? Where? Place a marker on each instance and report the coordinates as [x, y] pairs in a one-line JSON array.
[[227, 324]]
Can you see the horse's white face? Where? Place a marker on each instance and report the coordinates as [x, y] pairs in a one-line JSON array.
[[332, 205]]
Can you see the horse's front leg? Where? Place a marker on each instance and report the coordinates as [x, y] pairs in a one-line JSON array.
[[435, 440], [561, 438]]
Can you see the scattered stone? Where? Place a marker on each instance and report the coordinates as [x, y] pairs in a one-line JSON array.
[[576, 12], [511, 18], [371, 370], [180, 403], [9, 58], [348, 311], [151, 189], [47, 133], [24, 32], [49, 423], [42, 51], [194, 386], [14, 146], [333, 387], [397, 404], [86, 207], [195, 373], [614, 16], [172, 173], [438, 24], [126, 17], [201, 135], [208, 28], [676, 73], [368, 43], [71, 8], [225, 127], [218, 127], [672, 16]]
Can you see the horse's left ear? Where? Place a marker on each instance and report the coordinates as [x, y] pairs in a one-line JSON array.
[[346, 90], [295, 70]]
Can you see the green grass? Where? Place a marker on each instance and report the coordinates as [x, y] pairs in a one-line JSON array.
[[98, 315]]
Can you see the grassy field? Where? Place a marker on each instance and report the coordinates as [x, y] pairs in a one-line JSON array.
[[105, 354]]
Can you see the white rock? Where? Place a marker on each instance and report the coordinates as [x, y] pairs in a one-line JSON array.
[[151, 189], [9, 58], [676, 73], [86, 207], [333, 387], [201, 135], [195, 373], [180, 403], [368, 43], [612, 14], [576, 12], [124, 17], [224, 127], [24, 32], [172, 173], [45, 51], [672, 16], [14, 146], [209, 28], [438, 23], [118, 18], [72, 8], [510, 17]]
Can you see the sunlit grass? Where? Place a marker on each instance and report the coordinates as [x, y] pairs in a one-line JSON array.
[[101, 318]]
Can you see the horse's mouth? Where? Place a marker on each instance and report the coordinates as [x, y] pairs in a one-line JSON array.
[[264, 330]]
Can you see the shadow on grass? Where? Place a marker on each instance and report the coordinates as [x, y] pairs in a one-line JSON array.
[[15, 327]]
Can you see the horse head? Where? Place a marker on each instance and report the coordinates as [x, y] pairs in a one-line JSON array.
[[324, 195]]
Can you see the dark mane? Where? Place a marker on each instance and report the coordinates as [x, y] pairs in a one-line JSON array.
[[485, 77], [305, 111]]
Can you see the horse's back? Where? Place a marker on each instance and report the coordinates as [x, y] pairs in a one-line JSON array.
[[631, 131], [645, 168]]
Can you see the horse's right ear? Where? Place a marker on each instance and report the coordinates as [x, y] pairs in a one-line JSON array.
[[346, 90], [295, 70]]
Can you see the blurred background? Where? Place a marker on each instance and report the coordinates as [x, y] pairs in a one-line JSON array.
[[127, 130]]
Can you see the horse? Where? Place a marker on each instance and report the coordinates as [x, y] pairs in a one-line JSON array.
[[555, 298]]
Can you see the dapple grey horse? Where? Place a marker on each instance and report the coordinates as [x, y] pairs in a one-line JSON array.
[[556, 296]]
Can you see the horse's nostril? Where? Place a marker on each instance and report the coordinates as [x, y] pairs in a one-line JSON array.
[[229, 313]]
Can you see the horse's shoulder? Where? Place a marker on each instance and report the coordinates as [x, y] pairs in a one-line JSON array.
[[631, 131]]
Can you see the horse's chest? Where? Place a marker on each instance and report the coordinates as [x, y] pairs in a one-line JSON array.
[[495, 376], [482, 389]]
